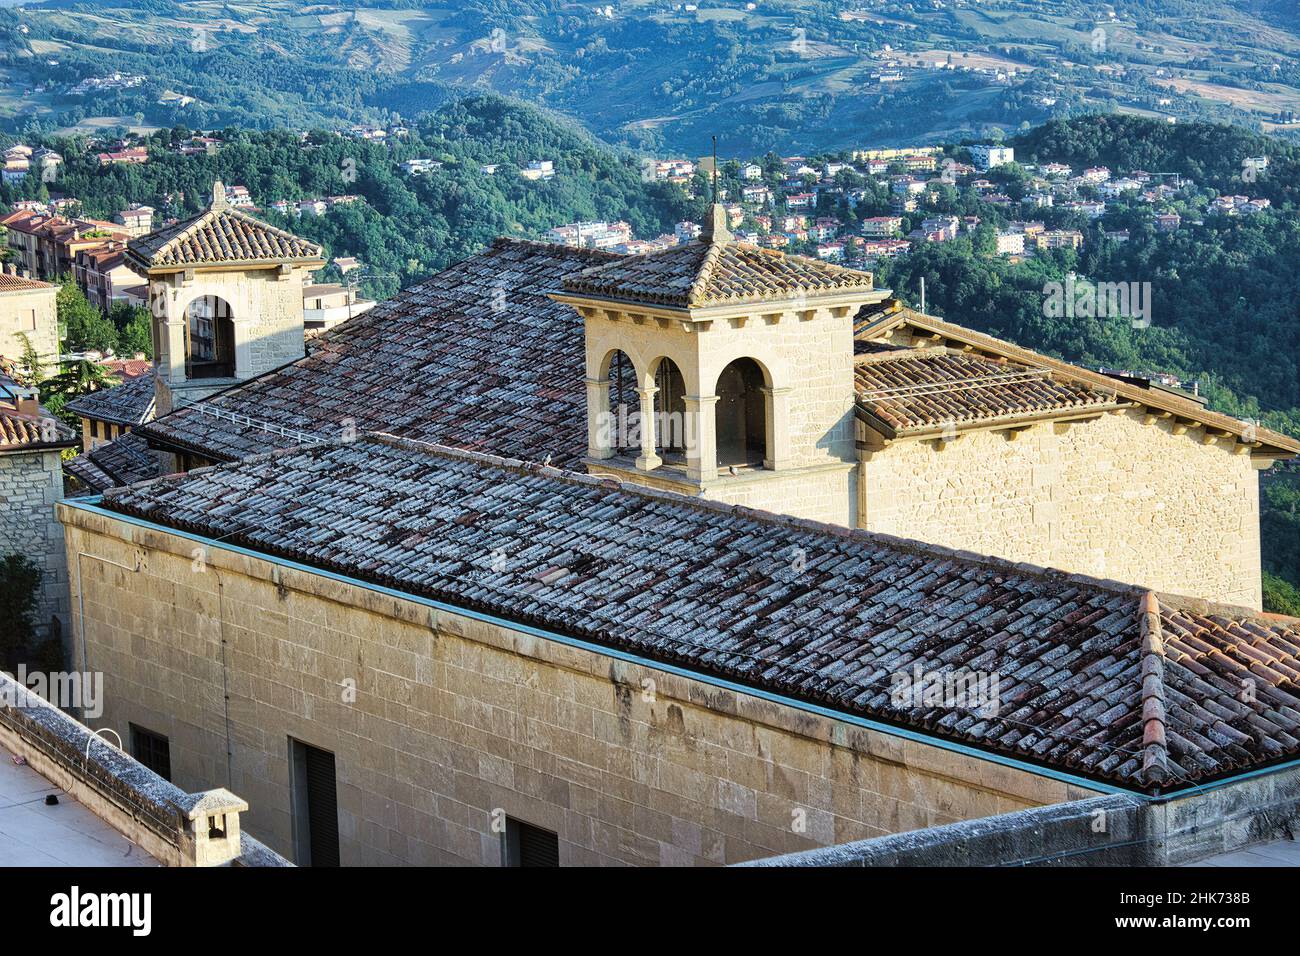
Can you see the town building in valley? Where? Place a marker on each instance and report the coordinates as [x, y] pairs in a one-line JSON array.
[[28, 315]]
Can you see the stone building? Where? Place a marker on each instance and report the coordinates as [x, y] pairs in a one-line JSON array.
[[31, 483], [629, 644], [403, 653], [779, 383], [28, 311], [226, 294]]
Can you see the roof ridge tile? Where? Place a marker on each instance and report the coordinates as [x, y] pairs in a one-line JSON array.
[[1155, 744]]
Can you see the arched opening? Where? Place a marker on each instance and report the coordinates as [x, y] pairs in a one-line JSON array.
[[624, 403], [670, 411], [209, 338], [741, 420]]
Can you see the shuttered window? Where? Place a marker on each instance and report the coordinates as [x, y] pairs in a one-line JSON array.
[[316, 811], [527, 845], [152, 750]]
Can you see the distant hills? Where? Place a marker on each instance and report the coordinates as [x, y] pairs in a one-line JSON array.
[[790, 75]]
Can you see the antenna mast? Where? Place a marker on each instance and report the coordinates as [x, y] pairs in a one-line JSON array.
[[715, 168]]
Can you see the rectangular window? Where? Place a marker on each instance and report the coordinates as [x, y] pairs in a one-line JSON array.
[[527, 845], [152, 750], [315, 805]]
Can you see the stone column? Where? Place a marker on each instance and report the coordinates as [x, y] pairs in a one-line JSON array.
[[599, 422], [243, 330], [776, 402], [648, 460], [701, 438], [172, 333]]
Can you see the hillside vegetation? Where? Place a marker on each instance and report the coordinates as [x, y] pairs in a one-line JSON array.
[[407, 226], [792, 75]]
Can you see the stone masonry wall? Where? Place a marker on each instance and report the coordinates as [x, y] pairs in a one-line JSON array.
[[821, 495], [811, 359], [30, 484], [1112, 497], [19, 311], [452, 719]]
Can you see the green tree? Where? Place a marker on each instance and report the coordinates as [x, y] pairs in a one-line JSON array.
[[78, 377], [30, 369], [84, 327], [19, 581], [1281, 597], [134, 334]]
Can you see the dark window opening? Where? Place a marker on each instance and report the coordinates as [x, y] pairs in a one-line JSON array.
[[623, 403], [527, 845], [315, 806], [209, 339], [741, 418], [670, 422], [152, 750]]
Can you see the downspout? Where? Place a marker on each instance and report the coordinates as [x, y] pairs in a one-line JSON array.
[[225, 679]]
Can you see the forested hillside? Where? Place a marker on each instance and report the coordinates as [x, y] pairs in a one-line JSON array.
[[1225, 290], [407, 226], [791, 75]]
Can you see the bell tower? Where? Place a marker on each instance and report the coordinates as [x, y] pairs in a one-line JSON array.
[[720, 369], [225, 295]]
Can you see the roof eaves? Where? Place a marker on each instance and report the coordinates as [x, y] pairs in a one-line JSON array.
[[1087, 410], [1141, 396]]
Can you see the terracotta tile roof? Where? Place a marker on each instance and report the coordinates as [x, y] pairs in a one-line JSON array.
[[925, 388], [703, 273], [92, 477], [440, 362], [123, 461], [12, 283], [220, 234], [24, 220], [1074, 657], [878, 320], [128, 367], [476, 356], [130, 403], [24, 424], [1232, 689], [20, 432]]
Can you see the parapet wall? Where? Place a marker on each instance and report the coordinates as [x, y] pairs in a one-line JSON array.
[[111, 784], [1099, 831], [1117, 830]]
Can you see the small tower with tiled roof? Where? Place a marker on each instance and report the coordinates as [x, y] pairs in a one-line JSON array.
[[745, 358], [225, 291]]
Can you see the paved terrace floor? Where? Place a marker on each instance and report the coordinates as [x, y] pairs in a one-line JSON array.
[[67, 834], [1276, 853]]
